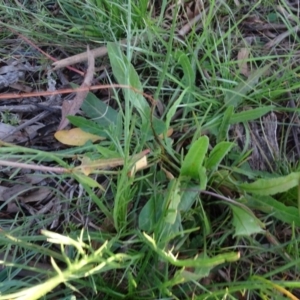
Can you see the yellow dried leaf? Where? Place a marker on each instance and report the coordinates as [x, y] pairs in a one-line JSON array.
[[139, 165], [86, 167], [75, 137]]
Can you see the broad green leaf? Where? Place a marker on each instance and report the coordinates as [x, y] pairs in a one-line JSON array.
[[194, 158], [150, 214], [245, 223], [217, 154], [250, 114], [235, 96], [126, 75], [225, 124], [167, 231], [159, 127], [172, 110], [269, 205], [272, 186], [206, 224], [188, 72], [98, 111], [189, 77], [244, 116], [173, 200], [190, 192]]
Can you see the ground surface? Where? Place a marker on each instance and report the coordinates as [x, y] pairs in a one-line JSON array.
[[160, 163]]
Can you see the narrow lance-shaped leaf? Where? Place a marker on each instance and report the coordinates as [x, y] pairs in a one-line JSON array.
[[194, 158], [150, 213], [173, 200], [217, 154], [225, 124], [126, 74], [243, 116], [172, 110], [190, 192], [250, 114], [188, 78], [272, 186], [245, 223], [202, 178], [189, 74], [98, 111], [235, 96], [280, 211]]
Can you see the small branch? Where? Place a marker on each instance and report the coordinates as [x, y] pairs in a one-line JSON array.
[[100, 164], [98, 52], [34, 167], [68, 91]]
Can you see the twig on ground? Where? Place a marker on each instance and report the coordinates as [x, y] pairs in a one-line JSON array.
[[68, 91], [72, 107], [97, 164], [98, 52]]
